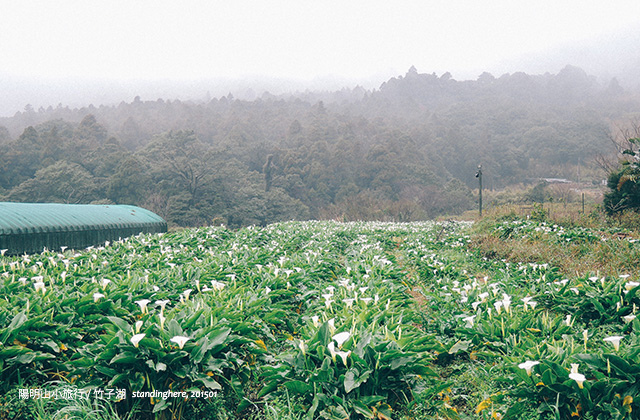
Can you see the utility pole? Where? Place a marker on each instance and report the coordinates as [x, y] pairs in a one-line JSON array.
[[479, 176]]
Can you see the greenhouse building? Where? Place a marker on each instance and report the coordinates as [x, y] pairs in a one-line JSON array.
[[33, 227]]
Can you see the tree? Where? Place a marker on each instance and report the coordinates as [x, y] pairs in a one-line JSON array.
[[267, 169], [62, 182], [538, 194], [90, 131], [130, 183], [20, 158], [182, 161], [624, 182], [4, 134]]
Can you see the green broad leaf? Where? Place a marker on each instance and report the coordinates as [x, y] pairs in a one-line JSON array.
[[192, 319], [335, 413], [97, 318], [150, 343], [275, 317], [364, 341], [558, 370], [172, 357], [125, 358], [322, 337], [118, 378], [83, 362], [400, 362], [105, 306], [173, 328], [336, 399], [15, 324], [370, 400], [136, 381], [268, 388], [595, 362], [384, 412], [325, 373], [218, 337], [106, 371], [26, 358], [120, 323], [217, 365], [199, 350], [205, 344], [423, 370], [108, 354], [298, 387], [598, 306], [182, 371], [363, 410], [236, 385], [209, 382], [562, 388], [461, 345], [548, 377], [12, 351], [317, 399], [353, 380], [85, 306], [64, 317], [43, 356], [34, 334], [621, 366], [160, 406], [244, 404], [52, 345]]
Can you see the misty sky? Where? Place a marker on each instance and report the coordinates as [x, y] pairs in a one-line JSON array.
[[299, 39]]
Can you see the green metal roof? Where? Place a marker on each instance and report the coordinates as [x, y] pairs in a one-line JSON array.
[[25, 218]]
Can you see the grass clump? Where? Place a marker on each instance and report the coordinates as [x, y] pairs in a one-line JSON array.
[[577, 244]]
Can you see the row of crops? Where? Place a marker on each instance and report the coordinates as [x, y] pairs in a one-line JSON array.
[[317, 320]]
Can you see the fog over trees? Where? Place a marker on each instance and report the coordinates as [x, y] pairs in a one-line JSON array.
[[404, 151]]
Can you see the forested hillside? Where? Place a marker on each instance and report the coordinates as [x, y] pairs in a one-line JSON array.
[[406, 151]]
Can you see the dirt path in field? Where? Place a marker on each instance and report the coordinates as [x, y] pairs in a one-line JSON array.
[[418, 297], [414, 290]]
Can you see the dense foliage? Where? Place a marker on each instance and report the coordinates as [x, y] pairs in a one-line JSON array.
[[318, 320], [406, 151], [623, 182]]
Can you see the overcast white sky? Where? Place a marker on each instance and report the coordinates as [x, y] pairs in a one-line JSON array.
[[351, 39], [292, 38]]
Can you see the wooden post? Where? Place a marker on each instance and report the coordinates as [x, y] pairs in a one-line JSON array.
[[479, 176]]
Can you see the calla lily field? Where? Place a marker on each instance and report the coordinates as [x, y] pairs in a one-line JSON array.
[[318, 320]]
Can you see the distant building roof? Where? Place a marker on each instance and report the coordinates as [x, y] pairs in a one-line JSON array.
[[30, 227], [556, 180]]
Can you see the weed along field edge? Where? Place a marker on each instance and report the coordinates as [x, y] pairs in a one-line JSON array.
[[327, 320]]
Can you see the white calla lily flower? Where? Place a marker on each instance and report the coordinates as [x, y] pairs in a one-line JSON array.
[[343, 355], [40, 287], [142, 303], [615, 340], [332, 350], [341, 338], [136, 339], [180, 340], [163, 304], [469, 321], [528, 365], [579, 378]]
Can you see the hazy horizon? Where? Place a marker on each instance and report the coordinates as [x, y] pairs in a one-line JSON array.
[[79, 53]]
